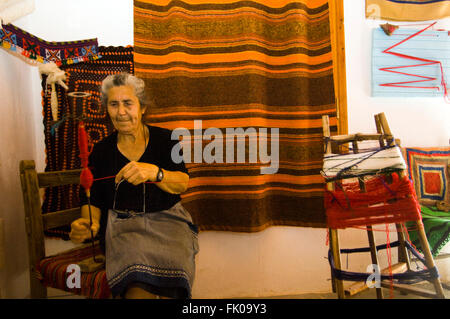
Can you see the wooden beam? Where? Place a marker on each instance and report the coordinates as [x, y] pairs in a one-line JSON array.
[[334, 244], [338, 51], [326, 134], [33, 223], [358, 137], [60, 218], [358, 287], [337, 285], [428, 256], [442, 256], [411, 289], [59, 178]]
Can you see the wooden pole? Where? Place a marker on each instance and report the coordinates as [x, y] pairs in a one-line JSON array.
[[34, 227], [334, 243], [337, 36], [383, 128], [429, 257], [338, 285], [420, 229], [371, 237]]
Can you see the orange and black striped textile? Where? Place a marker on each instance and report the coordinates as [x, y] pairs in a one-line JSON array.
[[250, 65]]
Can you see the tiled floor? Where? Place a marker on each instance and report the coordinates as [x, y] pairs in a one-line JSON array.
[[367, 294], [59, 294], [54, 246]]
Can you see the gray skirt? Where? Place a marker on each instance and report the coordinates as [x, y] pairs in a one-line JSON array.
[[155, 249]]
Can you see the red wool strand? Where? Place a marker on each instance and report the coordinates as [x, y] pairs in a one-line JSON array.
[[86, 177], [389, 257], [421, 77]]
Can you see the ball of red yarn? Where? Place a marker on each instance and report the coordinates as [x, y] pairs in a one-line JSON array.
[[86, 178]]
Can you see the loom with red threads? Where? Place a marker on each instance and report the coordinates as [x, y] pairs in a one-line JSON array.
[[366, 187], [381, 203]]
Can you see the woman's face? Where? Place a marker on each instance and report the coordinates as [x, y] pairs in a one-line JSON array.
[[124, 109]]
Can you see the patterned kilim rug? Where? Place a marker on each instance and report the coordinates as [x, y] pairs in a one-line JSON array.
[[61, 137], [437, 229], [255, 65], [61, 53]]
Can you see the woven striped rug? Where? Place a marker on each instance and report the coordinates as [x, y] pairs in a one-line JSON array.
[[253, 65]]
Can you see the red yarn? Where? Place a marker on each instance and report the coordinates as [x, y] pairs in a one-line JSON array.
[[83, 144], [389, 258], [382, 203], [86, 177]]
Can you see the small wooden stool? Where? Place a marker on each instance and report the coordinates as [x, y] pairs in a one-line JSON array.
[[385, 139]]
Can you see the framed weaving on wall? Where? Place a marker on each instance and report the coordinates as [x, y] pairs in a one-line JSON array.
[[410, 63], [428, 169]]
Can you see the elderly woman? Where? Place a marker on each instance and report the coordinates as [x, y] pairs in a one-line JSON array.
[[148, 237]]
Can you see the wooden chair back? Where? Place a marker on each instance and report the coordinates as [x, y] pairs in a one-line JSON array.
[[36, 222]]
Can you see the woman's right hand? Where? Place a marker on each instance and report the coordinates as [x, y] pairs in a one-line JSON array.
[[80, 230]]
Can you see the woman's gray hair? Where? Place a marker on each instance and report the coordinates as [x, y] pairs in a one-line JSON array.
[[121, 79]]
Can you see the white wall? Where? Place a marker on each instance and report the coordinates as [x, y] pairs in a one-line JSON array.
[[415, 121], [276, 261], [15, 144]]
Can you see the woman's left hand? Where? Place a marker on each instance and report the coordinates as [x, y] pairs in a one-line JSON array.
[[137, 173]]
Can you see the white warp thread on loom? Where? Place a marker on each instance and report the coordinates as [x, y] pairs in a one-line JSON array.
[[11, 10], [366, 162]]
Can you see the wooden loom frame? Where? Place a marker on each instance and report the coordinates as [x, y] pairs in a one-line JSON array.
[[384, 136]]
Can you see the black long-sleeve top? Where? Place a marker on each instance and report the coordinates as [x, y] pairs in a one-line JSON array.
[[106, 161]]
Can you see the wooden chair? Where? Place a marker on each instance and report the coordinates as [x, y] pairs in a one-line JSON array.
[[384, 138], [36, 222]]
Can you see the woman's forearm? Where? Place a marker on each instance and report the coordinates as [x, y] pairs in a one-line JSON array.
[[174, 182]]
